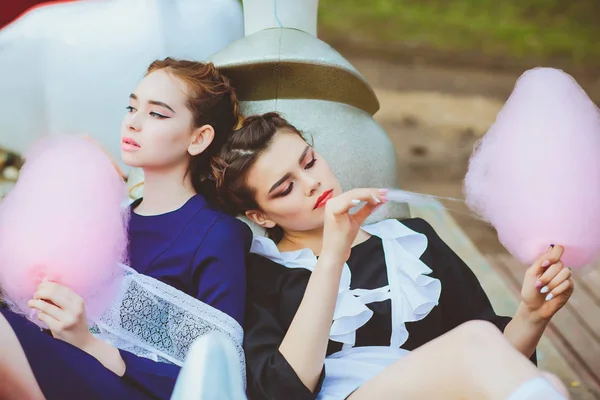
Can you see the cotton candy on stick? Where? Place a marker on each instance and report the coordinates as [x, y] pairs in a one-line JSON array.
[[64, 224], [404, 196], [535, 175]]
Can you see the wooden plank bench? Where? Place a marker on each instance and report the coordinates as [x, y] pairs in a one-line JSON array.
[[570, 347]]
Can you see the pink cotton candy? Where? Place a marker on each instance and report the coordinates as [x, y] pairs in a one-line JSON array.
[[535, 175], [64, 223]]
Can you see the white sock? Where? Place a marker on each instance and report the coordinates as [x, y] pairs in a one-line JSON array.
[[536, 388]]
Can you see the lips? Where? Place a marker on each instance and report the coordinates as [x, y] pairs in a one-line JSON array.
[[323, 198], [131, 142]]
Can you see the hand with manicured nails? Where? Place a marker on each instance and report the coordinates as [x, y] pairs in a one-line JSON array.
[[547, 285], [340, 226]]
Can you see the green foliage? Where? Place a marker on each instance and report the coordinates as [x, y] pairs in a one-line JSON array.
[[533, 28]]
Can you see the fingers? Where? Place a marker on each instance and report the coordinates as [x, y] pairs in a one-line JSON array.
[[52, 292], [343, 203], [560, 289], [557, 284], [363, 213], [60, 295], [50, 322], [551, 256], [550, 273], [376, 201], [58, 306], [47, 308], [553, 280], [562, 276]]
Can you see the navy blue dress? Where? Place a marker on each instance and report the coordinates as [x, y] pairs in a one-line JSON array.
[[196, 249]]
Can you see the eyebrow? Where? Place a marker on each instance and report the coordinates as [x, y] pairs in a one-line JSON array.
[[287, 176], [303, 154], [154, 102], [279, 182]]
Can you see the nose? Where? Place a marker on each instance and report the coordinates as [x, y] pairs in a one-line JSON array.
[[312, 184], [133, 123]]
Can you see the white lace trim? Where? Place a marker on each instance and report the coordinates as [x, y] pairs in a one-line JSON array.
[[154, 320], [412, 292]]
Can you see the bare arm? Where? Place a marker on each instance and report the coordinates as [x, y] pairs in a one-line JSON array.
[[108, 355], [524, 331], [305, 343], [546, 289], [64, 312]]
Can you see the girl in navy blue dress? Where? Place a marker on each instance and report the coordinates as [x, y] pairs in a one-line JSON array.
[[177, 119], [339, 310]]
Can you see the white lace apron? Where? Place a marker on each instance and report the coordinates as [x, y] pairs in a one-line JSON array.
[[413, 295], [154, 320]]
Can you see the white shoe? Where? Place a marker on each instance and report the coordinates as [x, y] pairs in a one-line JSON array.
[[211, 371]]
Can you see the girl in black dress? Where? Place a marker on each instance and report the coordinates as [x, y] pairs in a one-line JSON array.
[[334, 309]]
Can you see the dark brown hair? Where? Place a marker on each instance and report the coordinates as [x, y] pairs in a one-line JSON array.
[[212, 101], [239, 154]]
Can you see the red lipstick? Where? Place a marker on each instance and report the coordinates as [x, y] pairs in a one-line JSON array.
[[323, 198]]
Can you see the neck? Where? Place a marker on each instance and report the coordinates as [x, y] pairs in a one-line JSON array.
[[165, 191], [292, 241], [312, 240]]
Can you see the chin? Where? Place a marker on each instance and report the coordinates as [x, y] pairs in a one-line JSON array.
[[313, 222], [130, 160]]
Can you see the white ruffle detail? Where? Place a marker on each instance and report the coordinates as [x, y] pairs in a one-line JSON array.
[[412, 292]]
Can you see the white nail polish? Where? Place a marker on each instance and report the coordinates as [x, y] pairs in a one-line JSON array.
[[376, 199], [549, 297], [545, 289], [355, 202]]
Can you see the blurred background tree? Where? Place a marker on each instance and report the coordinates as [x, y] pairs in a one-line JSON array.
[[565, 30]]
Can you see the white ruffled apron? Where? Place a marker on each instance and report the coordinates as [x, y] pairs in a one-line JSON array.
[[413, 295]]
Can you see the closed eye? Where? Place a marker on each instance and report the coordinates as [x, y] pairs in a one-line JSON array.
[[286, 191], [130, 109], [310, 164]]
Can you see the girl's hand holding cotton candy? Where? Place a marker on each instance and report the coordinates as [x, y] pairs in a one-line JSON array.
[[63, 311], [547, 285], [64, 224], [535, 175]]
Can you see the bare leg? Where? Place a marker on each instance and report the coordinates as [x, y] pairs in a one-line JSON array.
[[473, 361], [16, 378]]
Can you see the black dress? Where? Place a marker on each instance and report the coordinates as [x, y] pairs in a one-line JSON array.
[[275, 293]]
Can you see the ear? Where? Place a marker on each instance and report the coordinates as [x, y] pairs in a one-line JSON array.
[[201, 138], [260, 218]]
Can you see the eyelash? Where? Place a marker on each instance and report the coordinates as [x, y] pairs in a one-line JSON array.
[[130, 109], [289, 188], [287, 191]]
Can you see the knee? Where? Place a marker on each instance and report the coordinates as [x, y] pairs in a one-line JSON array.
[[478, 335], [478, 330]]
